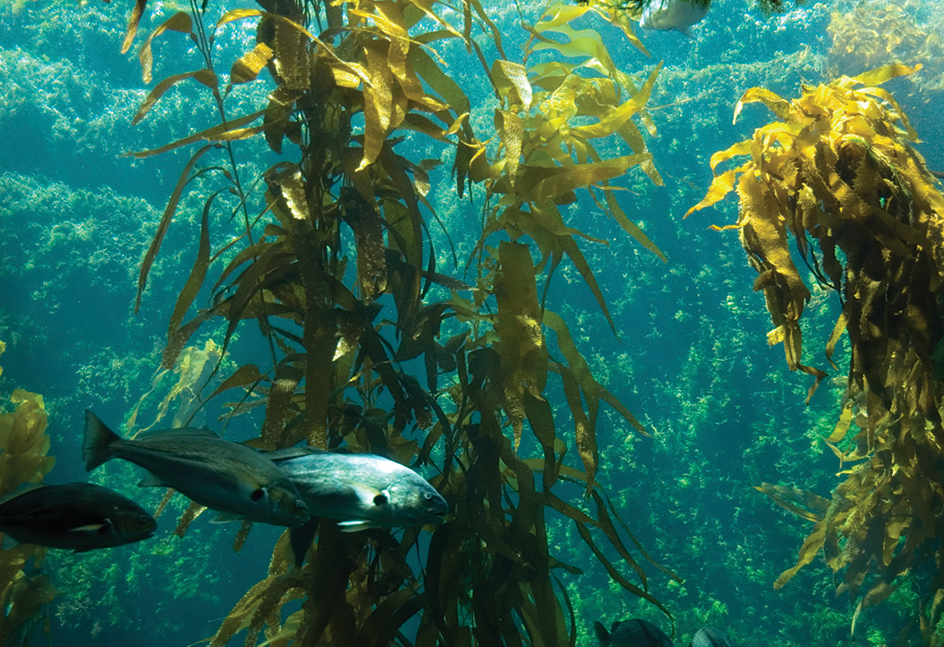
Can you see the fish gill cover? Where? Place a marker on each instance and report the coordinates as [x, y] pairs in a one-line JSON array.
[[341, 188]]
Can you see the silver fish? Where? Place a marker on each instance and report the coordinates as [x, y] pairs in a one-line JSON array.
[[632, 633], [237, 481], [666, 15], [361, 490], [80, 516]]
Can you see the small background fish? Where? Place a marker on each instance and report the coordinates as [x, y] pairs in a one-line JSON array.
[[632, 633], [80, 516], [668, 15]]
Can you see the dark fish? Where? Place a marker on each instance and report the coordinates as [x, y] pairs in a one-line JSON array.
[[632, 633], [710, 637], [238, 481], [80, 516]]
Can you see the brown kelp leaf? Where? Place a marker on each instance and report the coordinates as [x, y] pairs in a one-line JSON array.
[[811, 546], [511, 82], [616, 575], [133, 21], [243, 14], [179, 22], [278, 409], [155, 246], [545, 183], [193, 511], [584, 425], [222, 132], [244, 375], [247, 67], [585, 43], [239, 618], [613, 120], [523, 352], [630, 227], [802, 503], [378, 104], [511, 128], [778, 106], [197, 274], [204, 76]]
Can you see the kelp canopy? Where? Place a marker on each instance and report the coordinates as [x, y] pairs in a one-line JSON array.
[[838, 173], [335, 263]]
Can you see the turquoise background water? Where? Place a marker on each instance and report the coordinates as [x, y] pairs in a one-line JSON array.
[[691, 359]]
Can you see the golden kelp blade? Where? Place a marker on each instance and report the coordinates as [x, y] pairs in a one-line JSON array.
[[23, 448], [247, 67]]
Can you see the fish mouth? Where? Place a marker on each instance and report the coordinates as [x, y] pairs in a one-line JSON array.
[[435, 516]]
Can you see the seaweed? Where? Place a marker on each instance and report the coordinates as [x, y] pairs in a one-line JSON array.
[[877, 34], [23, 459], [340, 236], [837, 171], [634, 8]]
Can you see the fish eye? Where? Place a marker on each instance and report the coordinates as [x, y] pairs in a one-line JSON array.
[[299, 504], [143, 519], [427, 496], [380, 499], [257, 494]]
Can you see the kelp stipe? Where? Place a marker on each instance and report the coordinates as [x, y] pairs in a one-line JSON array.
[[23, 459], [347, 196], [838, 172]]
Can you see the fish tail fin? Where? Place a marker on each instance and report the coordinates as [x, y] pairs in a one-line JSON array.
[[602, 634], [98, 440]]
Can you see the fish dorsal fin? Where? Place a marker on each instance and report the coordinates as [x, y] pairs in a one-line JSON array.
[[177, 432], [293, 452], [22, 489]]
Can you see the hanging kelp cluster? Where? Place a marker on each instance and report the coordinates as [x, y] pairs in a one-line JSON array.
[[898, 31], [339, 336], [23, 447], [837, 173]]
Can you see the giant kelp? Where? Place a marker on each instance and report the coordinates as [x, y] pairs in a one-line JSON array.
[[23, 447], [876, 34], [837, 172], [341, 236]]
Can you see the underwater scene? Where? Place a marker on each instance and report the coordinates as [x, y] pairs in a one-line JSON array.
[[482, 322]]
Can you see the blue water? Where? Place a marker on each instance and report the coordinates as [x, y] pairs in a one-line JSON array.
[[690, 357]]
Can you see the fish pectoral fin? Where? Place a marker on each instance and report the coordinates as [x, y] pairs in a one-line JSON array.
[[93, 528], [226, 517], [152, 481], [355, 525], [9, 542], [369, 496]]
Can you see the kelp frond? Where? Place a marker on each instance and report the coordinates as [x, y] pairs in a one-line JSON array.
[[837, 173], [336, 264], [876, 34], [24, 444]]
